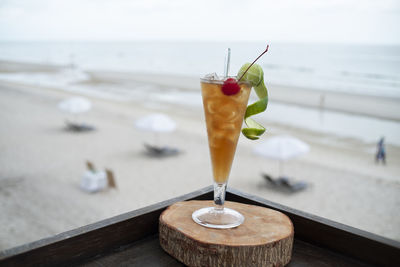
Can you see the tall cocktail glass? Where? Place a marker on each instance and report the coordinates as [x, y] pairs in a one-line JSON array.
[[224, 117]]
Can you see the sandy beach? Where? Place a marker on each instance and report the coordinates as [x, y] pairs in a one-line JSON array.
[[41, 163]]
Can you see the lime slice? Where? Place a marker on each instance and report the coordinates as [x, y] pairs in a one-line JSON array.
[[255, 76]]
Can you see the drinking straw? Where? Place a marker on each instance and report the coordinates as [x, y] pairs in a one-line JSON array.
[[227, 62]]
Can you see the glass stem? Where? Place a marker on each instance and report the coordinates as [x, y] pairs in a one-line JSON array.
[[219, 195]]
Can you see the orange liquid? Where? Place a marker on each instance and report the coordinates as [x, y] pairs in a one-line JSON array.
[[224, 117]]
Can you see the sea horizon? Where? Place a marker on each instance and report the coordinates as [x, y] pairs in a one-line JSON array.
[[361, 69]]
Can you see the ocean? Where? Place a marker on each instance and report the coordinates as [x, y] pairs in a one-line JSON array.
[[361, 69], [356, 69]]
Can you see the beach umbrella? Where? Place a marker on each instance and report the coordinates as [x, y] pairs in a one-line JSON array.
[[282, 148], [75, 105], [158, 123]]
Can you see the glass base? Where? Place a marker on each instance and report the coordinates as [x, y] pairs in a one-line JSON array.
[[218, 218]]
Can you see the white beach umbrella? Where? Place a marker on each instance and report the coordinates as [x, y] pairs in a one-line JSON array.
[[75, 105], [282, 148], [156, 123]]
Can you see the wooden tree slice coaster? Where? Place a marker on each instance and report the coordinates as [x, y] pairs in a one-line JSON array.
[[264, 239]]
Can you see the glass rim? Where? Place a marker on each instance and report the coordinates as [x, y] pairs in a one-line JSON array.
[[222, 80]]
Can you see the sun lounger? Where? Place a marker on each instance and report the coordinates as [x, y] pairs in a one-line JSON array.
[[285, 183], [292, 185], [271, 180], [78, 127], [160, 151], [95, 181]]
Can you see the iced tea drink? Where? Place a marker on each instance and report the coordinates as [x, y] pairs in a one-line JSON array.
[[224, 117], [225, 107]]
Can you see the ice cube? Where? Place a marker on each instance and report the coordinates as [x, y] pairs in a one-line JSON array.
[[240, 97], [228, 126], [211, 93], [227, 112], [212, 106], [215, 138], [212, 76]]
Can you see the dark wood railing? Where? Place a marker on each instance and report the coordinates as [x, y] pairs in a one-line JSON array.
[[131, 239]]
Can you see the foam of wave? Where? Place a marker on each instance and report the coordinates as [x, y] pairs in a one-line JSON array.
[[59, 79]]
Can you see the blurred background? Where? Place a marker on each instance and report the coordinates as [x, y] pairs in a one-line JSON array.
[[101, 110]]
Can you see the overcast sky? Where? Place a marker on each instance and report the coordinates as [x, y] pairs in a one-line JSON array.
[[339, 21]]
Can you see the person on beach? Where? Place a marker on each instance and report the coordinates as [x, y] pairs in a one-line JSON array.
[[381, 153]]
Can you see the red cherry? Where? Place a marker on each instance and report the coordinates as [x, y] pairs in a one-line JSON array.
[[230, 87]]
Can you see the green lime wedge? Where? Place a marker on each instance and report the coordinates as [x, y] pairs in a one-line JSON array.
[[255, 76]]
